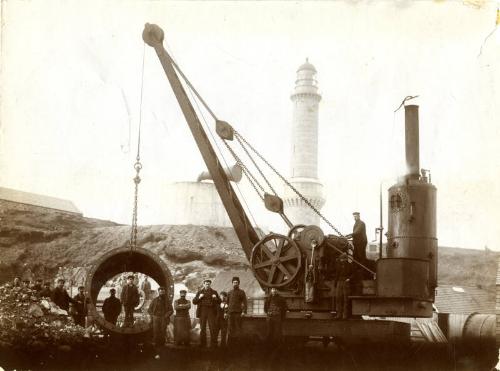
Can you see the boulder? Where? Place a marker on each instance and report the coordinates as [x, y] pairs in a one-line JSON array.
[[35, 310]]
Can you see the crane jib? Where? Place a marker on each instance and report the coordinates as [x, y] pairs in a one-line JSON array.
[[153, 36]]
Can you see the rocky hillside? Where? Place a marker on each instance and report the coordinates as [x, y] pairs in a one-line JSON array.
[[45, 241]]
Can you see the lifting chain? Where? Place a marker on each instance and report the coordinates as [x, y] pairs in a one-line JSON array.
[[137, 180], [241, 139], [137, 167], [254, 182], [249, 175]]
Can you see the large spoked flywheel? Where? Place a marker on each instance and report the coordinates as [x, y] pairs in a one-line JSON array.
[[276, 260]]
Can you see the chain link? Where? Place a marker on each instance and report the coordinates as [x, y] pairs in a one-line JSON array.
[[247, 173], [238, 138], [242, 140], [302, 197], [133, 232]]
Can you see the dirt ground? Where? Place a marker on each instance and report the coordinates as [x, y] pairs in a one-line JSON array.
[[249, 357]]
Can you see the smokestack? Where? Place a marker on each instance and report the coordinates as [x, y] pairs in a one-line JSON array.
[[411, 140]]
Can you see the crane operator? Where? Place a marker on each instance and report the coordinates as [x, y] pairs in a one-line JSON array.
[[359, 239]]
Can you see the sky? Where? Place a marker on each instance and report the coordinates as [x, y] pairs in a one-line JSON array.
[[72, 72]]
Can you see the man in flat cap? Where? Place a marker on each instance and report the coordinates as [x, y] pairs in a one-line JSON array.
[[343, 272], [237, 305], [80, 307], [207, 301], [359, 239], [60, 296], [111, 307], [46, 291], [38, 285], [160, 311], [130, 299], [275, 308], [182, 321]]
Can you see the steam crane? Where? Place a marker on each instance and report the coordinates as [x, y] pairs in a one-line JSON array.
[[301, 264]]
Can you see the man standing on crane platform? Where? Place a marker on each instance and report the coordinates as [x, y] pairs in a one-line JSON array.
[[359, 239]]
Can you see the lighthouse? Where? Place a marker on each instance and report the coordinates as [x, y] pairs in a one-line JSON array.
[[304, 149]]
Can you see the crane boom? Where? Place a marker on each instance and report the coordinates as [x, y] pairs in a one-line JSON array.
[[153, 35]]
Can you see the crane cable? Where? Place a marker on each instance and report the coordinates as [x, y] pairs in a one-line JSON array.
[[137, 166], [238, 136], [190, 90], [214, 116]]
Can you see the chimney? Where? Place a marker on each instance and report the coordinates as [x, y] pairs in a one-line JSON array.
[[411, 142]]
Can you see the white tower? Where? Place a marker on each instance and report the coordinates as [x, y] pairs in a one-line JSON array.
[[304, 169]]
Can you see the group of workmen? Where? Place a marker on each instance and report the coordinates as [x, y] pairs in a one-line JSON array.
[[221, 313], [60, 297]]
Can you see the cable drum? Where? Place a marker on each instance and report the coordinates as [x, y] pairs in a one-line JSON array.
[[123, 260]]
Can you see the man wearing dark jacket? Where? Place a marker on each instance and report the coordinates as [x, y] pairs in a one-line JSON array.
[[182, 321], [207, 300], [60, 296], [130, 299], [359, 239], [160, 311], [80, 307], [46, 291], [237, 305], [111, 307], [343, 272], [38, 286], [275, 308]]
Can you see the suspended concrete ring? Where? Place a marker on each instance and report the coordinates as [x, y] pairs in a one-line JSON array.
[[119, 261]]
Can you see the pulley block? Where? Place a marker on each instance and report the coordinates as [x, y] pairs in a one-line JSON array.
[[309, 236]]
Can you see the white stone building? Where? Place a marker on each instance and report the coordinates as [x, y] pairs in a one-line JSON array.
[[304, 149]]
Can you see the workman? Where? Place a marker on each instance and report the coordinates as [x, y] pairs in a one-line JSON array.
[[160, 311], [46, 292], [38, 285], [359, 239], [112, 307], [80, 307], [343, 272], [237, 306], [207, 301], [60, 296], [146, 287], [130, 299], [275, 308], [182, 321], [222, 319]]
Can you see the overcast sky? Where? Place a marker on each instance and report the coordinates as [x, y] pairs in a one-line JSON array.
[[71, 82]]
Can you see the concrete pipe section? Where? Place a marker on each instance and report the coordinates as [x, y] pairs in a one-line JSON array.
[[480, 329], [119, 261]]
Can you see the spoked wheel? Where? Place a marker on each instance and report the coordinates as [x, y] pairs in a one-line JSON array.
[[276, 260]]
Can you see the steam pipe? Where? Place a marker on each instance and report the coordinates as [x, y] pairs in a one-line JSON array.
[[381, 227], [412, 142]]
